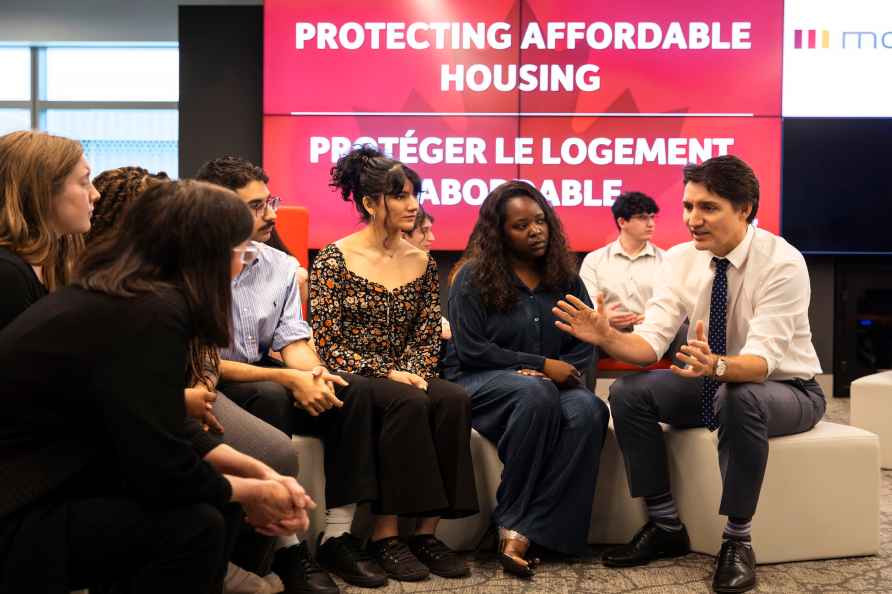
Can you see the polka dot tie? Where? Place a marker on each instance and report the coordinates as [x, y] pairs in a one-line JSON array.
[[718, 322]]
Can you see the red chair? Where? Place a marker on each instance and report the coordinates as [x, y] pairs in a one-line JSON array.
[[293, 225], [607, 364]]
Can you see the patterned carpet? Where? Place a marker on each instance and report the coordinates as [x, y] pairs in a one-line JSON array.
[[690, 574]]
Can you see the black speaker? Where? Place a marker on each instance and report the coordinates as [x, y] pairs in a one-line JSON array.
[[221, 84]]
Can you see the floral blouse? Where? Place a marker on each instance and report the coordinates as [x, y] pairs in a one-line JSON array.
[[360, 327]]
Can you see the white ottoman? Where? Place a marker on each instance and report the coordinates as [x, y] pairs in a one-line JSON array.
[[820, 498], [871, 402]]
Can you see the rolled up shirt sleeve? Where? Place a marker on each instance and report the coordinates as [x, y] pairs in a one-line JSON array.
[[291, 326], [665, 311], [781, 301]]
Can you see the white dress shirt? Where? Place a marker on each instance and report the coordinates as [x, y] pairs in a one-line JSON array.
[[624, 279], [768, 296]]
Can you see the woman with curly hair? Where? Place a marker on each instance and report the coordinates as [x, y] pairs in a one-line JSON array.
[[375, 311], [524, 375], [118, 190]]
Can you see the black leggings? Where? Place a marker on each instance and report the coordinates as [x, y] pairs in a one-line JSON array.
[[405, 450]]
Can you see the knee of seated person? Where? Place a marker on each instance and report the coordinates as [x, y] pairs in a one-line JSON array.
[[589, 411], [734, 401], [199, 526], [600, 411], [453, 396], [625, 393], [282, 455], [410, 398], [537, 395]]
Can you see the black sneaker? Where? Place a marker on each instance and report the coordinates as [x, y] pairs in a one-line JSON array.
[[397, 560], [345, 557], [299, 572], [439, 558]]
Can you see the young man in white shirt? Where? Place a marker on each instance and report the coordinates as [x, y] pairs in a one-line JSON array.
[[627, 269], [749, 365]]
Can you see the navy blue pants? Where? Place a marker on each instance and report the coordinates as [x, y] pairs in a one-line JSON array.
[[549, 441]]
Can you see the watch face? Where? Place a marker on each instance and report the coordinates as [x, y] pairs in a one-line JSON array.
[[720, 367]]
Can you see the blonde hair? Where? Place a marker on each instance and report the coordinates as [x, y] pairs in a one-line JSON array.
[[33, 169]]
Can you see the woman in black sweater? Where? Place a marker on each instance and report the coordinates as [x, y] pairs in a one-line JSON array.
[[102, 483], [46, 199]]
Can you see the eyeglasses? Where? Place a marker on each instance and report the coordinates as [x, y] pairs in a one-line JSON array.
[[271, 203], [247, 254]]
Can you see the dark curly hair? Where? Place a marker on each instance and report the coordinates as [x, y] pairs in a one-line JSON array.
[[729, 177], [117, 189], [629, 204], [366, 171], [487, 250], [231, 172]]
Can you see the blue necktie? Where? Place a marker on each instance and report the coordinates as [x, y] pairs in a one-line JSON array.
[[718, 322]]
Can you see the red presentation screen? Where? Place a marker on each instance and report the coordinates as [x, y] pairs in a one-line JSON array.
[[584, 101]]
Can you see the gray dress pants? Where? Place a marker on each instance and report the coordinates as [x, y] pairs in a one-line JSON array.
[[748, 413]]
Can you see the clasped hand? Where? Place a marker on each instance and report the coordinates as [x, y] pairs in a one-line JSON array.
[[313, 390], [277, 506]]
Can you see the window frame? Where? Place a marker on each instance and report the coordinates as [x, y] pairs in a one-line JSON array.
[[38, 104]]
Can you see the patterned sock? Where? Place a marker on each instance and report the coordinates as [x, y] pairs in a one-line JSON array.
[[663, 512], [338, 521], [738, 529]]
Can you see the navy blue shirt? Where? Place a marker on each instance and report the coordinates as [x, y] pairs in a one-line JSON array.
[[521, 338]]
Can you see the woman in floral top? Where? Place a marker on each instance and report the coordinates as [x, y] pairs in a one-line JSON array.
[[375, 312]]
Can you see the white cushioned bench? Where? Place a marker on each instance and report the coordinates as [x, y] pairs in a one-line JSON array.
[[871, 400], [820, 498]]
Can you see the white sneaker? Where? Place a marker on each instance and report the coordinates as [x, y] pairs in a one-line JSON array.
[[240, 581]]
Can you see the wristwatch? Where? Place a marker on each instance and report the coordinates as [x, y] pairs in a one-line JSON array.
[[720, 367]]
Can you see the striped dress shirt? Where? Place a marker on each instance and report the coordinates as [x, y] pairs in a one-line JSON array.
[[266, 313]]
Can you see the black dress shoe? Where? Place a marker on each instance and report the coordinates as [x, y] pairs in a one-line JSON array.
[[651, 542], [345, 557], [299, 572], [735, 568]]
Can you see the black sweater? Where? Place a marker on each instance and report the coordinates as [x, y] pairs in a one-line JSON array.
[[19, 286], [91, 381]]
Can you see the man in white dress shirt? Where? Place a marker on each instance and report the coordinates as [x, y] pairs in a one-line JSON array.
[[627, 269], [748, 369]]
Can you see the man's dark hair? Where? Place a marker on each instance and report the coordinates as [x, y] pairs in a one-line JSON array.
[[729, 177], [231, 172], [630, 204]]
